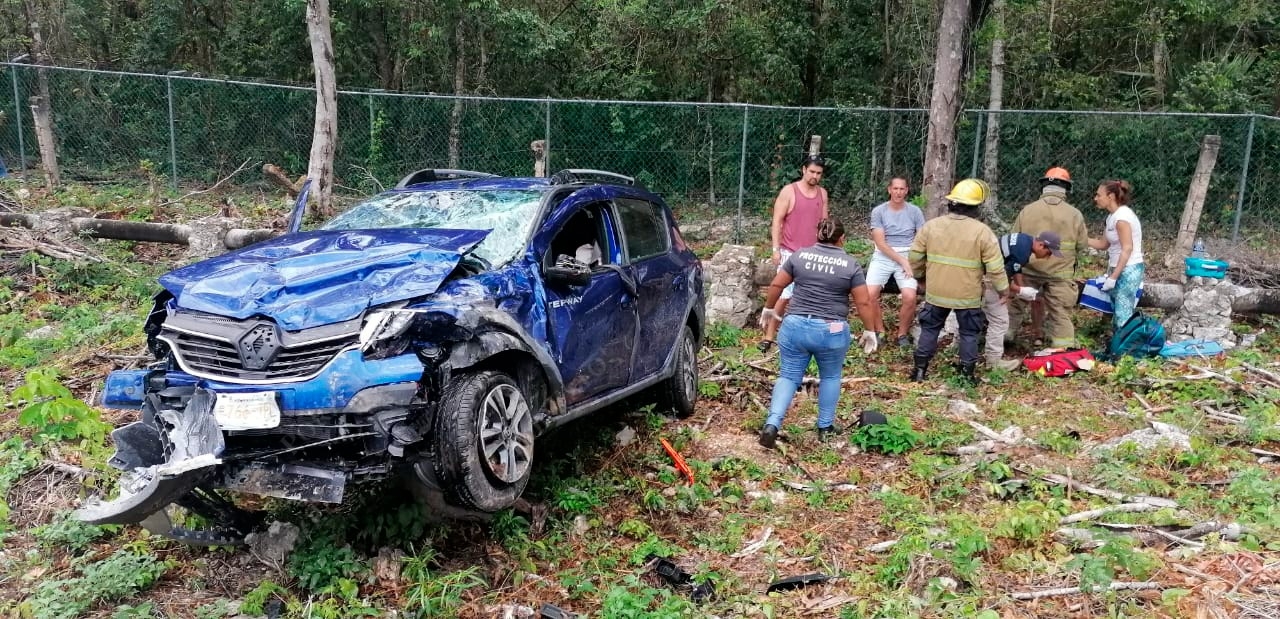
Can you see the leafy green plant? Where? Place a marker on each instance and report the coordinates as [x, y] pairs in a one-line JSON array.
[[576, 501], [709, 389], [724, 335], [16, 459], [437, 594], [633, 599], [53, 412], [322, 560], [116, 577], [68, 533], [1028, 521], [1116, 555], [255, 601], [892, 438]]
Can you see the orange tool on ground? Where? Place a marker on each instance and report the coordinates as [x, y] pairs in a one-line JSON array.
[[680, 463]]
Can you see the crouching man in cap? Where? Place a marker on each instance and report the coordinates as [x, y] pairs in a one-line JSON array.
[[1017, 249]]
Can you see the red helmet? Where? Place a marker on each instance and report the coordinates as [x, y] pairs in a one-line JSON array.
[[1057, 176]]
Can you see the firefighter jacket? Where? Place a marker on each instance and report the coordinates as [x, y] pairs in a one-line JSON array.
[[1053, 212], [950, 255]]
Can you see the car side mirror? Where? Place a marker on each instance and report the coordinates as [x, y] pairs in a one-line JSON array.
[[568, 270]]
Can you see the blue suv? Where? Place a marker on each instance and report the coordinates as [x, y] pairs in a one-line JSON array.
[[433, 332]]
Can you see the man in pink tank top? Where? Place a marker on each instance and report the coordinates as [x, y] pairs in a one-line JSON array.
[[796, 213]]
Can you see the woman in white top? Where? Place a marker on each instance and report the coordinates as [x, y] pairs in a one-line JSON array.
[[1123, 242]]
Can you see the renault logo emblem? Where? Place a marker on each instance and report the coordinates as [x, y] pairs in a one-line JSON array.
[[258, 346]]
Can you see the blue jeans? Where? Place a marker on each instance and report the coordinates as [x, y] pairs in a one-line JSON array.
[[800, 339], [1124, 297]]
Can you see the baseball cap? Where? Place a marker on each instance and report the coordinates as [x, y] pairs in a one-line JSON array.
[[1052, 241]]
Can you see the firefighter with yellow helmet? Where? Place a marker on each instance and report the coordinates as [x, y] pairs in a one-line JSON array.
[[951, 255], [1054, 276]]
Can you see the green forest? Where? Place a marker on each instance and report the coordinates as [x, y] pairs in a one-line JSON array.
[[1135, 55]]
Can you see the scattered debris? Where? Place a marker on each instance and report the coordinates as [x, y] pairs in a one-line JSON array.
[[274, 545], [751, 548], [1158, 436], [625, 436], [795, 582], [681, 579], [679, 461], [551, 611]]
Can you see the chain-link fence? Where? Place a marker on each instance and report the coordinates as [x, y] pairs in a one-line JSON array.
[[709, 160]]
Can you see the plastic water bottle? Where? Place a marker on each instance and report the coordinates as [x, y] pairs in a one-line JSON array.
[[1197, 250]]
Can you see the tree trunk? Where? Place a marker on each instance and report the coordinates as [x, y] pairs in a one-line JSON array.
[[1194, 206], [324, 137], [813, 54], [459, 75], [991, 150], [940, 149], [41, 108]]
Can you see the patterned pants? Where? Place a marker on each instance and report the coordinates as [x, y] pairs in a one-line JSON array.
[[1124, 297]]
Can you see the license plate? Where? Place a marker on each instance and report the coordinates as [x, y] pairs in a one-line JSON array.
[[246, 411]]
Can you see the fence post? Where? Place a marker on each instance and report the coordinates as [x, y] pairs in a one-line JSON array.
[[977, 141], [546, 136], [173, 139], [742, 178], [17, 116], [1244, 180]]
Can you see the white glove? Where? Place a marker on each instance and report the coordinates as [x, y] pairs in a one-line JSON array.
[[1027, 293], [869, 342], [767, 316], [1107, 284]]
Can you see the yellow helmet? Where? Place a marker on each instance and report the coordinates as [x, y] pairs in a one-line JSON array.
[[970, 192]]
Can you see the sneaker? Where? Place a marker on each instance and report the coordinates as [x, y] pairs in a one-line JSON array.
[[904, 341], [769, 436], [825, 434], [764, 345]]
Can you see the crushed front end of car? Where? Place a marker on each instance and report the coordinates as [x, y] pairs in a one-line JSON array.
[[291, 369]]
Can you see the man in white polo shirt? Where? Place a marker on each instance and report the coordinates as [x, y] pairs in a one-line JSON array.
[[894, 225]]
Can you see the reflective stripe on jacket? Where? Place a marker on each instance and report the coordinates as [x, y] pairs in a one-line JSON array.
[[1052, 212], [951, 254]]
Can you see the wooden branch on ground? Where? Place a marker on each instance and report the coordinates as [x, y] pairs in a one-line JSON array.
[[1115, 586], [211, 187], [884, 546], [1267, 376], [1062, 480], [278, 177], [1097, 513]]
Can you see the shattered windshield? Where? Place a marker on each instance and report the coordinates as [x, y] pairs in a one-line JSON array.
[[509, 213]]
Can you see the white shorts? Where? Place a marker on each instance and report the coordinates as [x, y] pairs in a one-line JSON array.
[[882, 267], [783, 254]]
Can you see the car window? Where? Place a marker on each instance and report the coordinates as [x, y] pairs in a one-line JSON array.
[[643, 227], [583, 237], [510, 214]]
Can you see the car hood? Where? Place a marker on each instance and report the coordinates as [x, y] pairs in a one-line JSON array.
[[309, 279]]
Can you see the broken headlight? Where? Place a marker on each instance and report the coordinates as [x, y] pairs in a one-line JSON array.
[[383, 333]]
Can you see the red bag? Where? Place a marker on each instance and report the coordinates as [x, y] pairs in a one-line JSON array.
[[1062, 362]]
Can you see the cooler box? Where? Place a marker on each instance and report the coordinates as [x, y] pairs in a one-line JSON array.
[[1204, 267], [1092, 297]]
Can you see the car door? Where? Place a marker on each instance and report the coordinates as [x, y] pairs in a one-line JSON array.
[[592, 328], [662, 282]]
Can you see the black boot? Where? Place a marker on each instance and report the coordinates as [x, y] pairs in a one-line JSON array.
[[920, 370], [968, 373]]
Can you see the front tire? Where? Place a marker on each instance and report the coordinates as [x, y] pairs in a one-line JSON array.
[[484, 441], [679, 393]]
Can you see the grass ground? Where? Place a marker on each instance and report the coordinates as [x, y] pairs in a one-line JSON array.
[[969, 533]]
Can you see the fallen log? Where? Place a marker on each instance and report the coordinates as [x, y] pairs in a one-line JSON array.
[[179, 234], [1249, 301]]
